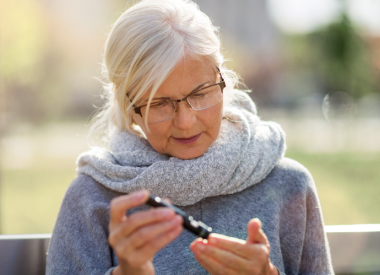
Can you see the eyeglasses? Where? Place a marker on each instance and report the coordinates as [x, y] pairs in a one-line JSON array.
[[200, 99]]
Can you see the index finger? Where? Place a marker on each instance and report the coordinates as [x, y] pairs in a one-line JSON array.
[[236, 246], [121, 204]]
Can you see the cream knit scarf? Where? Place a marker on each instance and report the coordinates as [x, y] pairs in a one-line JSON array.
[[244, 153]]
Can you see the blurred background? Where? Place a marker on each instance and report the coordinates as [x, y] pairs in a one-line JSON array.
[[312, 66]]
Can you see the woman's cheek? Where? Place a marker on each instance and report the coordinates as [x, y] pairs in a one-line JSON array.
[[159, 136]]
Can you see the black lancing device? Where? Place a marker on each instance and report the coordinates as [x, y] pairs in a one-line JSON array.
[[196, 227]]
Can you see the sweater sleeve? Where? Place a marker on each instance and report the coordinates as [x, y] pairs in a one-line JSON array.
[[304, 246], [79, 243], [316, 258]]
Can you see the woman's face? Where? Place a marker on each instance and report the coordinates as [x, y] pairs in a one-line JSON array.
[[189, 133]]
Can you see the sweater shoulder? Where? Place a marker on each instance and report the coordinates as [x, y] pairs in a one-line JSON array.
[[290, 174], [292, 167], [79, 243], [86, 186], [85, 192]]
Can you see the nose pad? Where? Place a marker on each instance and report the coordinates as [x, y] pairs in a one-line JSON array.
[[177, 102], [176, 107]]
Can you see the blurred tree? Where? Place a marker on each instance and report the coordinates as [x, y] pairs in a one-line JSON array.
[[337, 55], [342, 59], [22, 44], [48, 52]]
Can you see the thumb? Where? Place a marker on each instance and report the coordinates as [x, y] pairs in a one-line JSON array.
[[255, 233]]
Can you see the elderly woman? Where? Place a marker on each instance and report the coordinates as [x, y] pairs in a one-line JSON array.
[[178, 129]]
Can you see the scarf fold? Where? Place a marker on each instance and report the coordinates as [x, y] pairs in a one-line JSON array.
[[243, 154]]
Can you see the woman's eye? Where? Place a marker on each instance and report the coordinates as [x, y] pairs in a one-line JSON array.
[[158, 105], [199, 95]]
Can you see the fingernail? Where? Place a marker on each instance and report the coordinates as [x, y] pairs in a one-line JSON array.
[[175, 220], [201, 246], [140, 194]]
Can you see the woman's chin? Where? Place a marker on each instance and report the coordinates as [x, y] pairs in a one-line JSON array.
[[189, 153]]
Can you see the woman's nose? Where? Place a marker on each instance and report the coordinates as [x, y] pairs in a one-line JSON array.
[[185, 116]]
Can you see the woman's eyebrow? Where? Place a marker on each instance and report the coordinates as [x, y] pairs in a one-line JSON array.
[[200, 86], [194, 90], [159, 98]]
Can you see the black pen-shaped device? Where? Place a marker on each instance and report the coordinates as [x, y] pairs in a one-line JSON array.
[[196, 227]]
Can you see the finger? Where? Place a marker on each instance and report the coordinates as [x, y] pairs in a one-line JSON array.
[[144, 218], [121, 204], [138, 220], [148, 233], [212, 265], [236, 246], [255, 232], [224, 257], [252, 263], [233, 245], [149, 249], [126, 246]]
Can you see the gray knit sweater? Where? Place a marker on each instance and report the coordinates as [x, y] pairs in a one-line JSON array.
[[285, 201], [242, 175]]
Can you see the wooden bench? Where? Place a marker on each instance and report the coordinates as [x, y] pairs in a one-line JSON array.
[[355, 249], [23, 254]]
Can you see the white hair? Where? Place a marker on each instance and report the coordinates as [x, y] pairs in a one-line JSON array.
[[143, 47]]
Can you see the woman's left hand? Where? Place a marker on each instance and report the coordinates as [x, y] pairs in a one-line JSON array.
[[220, 254]]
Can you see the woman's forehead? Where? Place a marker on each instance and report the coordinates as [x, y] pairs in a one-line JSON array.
[[188, 75]]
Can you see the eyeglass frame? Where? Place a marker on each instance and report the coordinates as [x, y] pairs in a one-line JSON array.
[[222, 85]]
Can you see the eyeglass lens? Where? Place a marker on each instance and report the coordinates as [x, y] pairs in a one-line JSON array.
[[165, 110]]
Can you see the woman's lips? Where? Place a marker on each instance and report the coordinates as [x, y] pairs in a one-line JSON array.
[[189, 140]]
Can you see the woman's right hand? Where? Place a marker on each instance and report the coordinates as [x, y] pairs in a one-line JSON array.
[[138, 237]]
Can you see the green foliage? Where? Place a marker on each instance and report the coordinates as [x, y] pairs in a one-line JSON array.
[[23, 39], [30, 199], [341, 59], [26, 71], [338, 55], [347, 183]]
